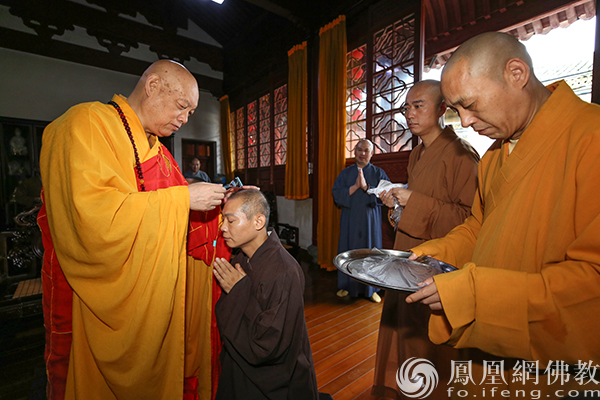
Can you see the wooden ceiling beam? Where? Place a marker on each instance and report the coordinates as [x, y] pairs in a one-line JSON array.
[[471, 11], [30, 43], [277, 10], [444, 14], [121, 33], [430, 20], [515, 14], [457, 12]]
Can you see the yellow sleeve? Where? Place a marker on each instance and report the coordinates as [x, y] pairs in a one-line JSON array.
[[122, 252]]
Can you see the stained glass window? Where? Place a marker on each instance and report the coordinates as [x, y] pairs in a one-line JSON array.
[[280, 134], [239, 138], [393, 75], [356, 98], [265, 130]]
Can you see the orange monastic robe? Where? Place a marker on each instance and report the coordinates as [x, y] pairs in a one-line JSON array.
[[443, 179], [122, 253], [529, 287]]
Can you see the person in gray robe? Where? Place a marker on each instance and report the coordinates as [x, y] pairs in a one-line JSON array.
[[360, 223]]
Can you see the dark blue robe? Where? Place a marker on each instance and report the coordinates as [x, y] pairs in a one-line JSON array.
[[360, 225]]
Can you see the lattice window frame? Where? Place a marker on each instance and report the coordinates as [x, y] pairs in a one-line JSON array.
[[375, 97]]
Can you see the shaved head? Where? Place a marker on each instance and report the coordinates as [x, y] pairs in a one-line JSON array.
[[423, 109], [363, 151], [488, 54], [489, 81], [431, 88], [253, 202], [174, 76], [164, 98], [365, 142]]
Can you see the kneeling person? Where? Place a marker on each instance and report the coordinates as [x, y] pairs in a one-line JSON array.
[[266, 352]]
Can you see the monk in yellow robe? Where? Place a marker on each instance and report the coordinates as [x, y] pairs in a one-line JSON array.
[[442, 179], [114, 224], [528, 288]]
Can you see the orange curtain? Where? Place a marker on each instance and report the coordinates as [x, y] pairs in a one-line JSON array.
[[296, 167], [225, 130], [332, 134]]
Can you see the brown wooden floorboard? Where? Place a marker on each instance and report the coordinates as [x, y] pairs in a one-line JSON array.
[[343, 336], [342, 331]]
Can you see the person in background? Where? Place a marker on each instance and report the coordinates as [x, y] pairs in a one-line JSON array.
[[196, 174], [114, 224], [360, 224], [266, 352], [442, 179], [528, 286]]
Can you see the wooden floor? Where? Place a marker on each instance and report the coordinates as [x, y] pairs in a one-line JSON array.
[[343, 336]]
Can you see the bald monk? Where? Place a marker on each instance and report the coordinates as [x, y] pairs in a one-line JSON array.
[[528, 287], [442, 179], [266, 353], [114, 224]]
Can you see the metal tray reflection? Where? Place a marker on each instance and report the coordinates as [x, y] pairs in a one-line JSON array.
[[342, 261]]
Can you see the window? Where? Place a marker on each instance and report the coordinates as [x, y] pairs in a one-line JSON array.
[[391, 74], [255, 145], [356, 98], [265, 130], [240, 139], [280, 136], [252, 145]]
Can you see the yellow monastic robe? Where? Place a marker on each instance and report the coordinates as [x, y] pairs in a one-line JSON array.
[[529, 287], [122, 252]]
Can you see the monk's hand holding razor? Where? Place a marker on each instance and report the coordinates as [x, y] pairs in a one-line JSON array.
[[205, 196], [227, 275]]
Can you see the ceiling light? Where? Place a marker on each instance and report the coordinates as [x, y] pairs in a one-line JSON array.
[[218, 1]]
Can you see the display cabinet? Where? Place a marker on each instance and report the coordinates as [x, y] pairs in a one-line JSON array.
[[19, 160]]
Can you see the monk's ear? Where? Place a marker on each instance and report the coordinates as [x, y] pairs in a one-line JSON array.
[[517, 72], [443, 108], [259, 222], [152, 84]]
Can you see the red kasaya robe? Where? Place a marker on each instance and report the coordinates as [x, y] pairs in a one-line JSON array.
[[160, 172]]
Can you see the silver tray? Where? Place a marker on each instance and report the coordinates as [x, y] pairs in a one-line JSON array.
[[343, 260]]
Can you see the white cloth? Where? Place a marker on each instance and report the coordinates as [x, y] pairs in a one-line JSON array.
[[385, 186]]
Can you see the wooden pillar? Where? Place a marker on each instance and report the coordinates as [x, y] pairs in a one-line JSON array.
[[420, 49]]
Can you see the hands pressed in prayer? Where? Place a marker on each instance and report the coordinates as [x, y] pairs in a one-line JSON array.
[[360, 180], [205, 196], [226, 274]]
